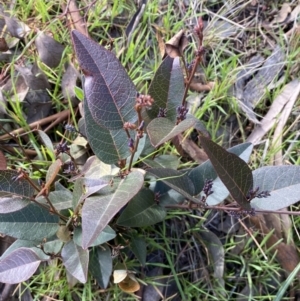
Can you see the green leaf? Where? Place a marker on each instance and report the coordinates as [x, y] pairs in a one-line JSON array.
[[47, 141], [101, 265], [18, 266], [61, 199], [176, 180], [99, 210], [167, 89], [76, 260], [109, 91], [163, 161], [78, 191], [161, 130], [30, 223], [283, 183], [212, 243], [79, 93], [206, 171], [29, 244], [139, 248], [108, 146], [106, 235], [142, 211], [14, 192], [90, 186], [233, 171]]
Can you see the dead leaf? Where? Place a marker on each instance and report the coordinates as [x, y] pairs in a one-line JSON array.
[[63, 233], [126, 281], [119, 275], [34, 78], [245, 74], [129, 284], [290, 92], [176, 45], [286, 255], [78, 20], [135, 20], [199, 87], [3, 163], [192, 149], [3, 45], [16, 28], [50, 51], [161, 44], [68, 83], [282, 120], [283, 14], [256, 88]]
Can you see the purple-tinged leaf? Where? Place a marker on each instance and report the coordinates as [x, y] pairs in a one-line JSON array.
[[50, 51], [101, 265], [76, 260], [283, 183], [15, 192], [109, 146], [139, 248], [29, 223], [206, 171], [142, 211], [109, 92], [98, 211], [18, 266], [16, 28], [232, 170], [176, 180], [167, 89], [106, 235], [61, 199], [161, 130], [68, 83], [28, 244], [93, 185]]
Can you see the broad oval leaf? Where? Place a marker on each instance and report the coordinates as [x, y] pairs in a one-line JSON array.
[[106, 235], [108, 146], [101, 265], [50, 51], [99, 210], [139, 248], [61, 199], [163, 161], [161, 130], [14, 192], [18, 266], [167, 89], [29, 244], [30, 223], [176, 180], [232, 170], [47, 141], [215, 248], [199, 174], [142, 211], [76, 260], [283, 183], [109, 91], [129, 284]]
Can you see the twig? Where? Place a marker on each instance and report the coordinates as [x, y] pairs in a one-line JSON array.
[[61, 115], [255, 241]]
